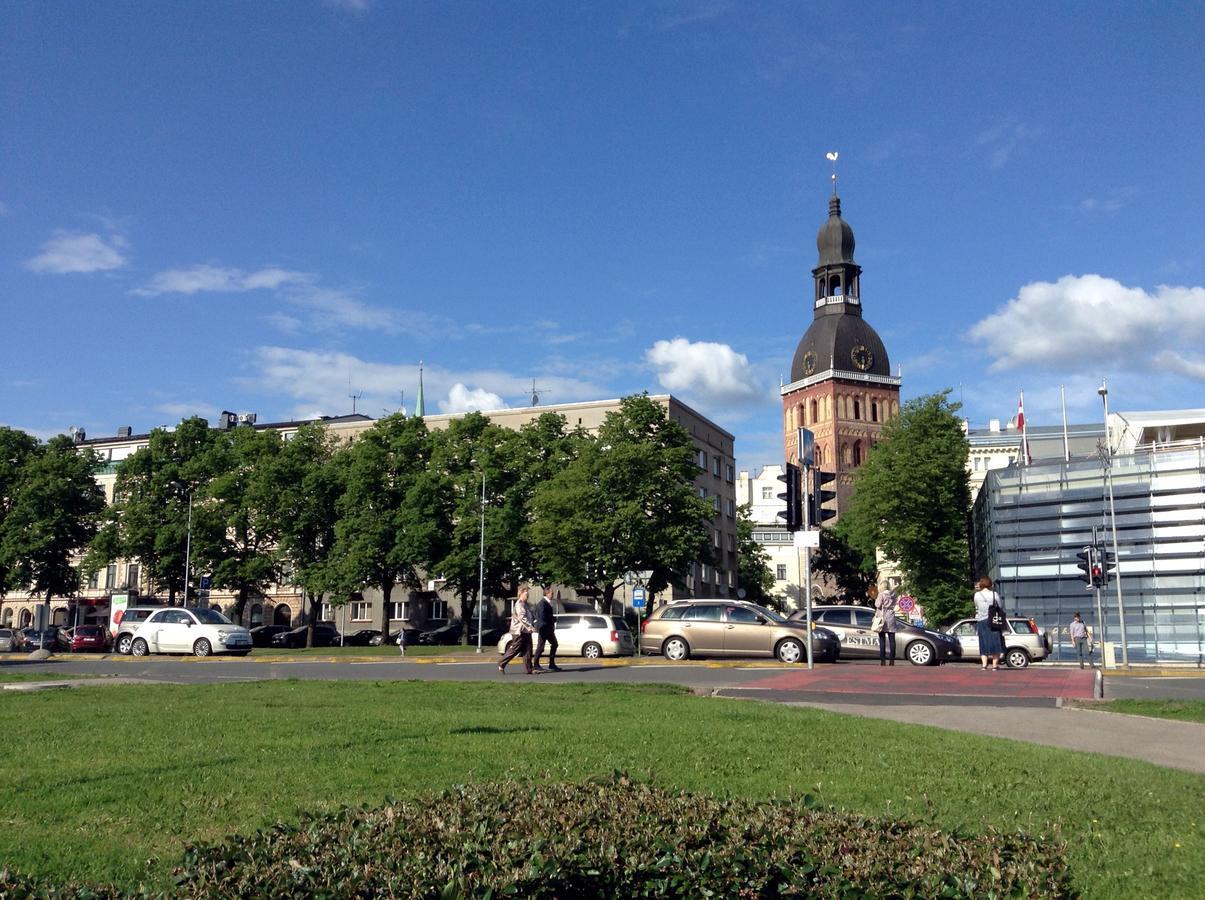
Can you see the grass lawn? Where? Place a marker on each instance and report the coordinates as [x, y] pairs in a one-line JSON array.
[[98, 796], [9, 675], [1184, 710]]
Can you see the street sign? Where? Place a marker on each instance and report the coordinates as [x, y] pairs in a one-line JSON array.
[[906, 603], [638, 597], [206, 582], [807, 539], [806, 442]]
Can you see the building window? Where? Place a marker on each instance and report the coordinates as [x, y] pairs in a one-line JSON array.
[[327, 613], [94, 580], [132, 576], [702, 493], [767, 493], [857, 453], [780, 572], [719, 540], [715, 466], [701, 457], [705, 572], [111, 577], [715, 502], [732, 543], [730, 509], [857, 410], [846, 458], [729, 473], [399, 609], [813, 411], [874, 411], [361, 611], [439, 608]]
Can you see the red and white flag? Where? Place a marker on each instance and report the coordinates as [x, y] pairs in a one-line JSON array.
[[1026, 459]]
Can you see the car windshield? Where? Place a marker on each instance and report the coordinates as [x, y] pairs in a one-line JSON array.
[[770, 614], [211, 617]]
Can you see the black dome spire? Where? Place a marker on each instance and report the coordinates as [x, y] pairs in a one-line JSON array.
[[835, 240]]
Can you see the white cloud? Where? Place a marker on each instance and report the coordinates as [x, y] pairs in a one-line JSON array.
[[319, 383], [1004, 138], [69, 252], [1182, 365], [197, 279], [713, 373], [358, 7], [1092, 319], [462, 400]]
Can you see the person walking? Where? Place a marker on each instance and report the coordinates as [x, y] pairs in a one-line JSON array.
[[545, 626], [1079, 636], [520, 633], [883, 602], [991, 646]]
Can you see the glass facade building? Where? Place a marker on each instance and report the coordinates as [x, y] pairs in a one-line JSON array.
[[1030, 522]]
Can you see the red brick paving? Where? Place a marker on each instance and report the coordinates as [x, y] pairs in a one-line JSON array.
[[948, 680]]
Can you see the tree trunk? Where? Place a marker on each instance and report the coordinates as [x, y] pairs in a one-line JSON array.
[[46, 624], [309, 610], [386, 592], [609, 598], [240, 603]]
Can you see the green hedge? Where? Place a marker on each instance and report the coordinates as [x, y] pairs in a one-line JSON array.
[[609, 840]]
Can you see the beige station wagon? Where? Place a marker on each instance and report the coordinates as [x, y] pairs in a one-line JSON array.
[[689, 628]]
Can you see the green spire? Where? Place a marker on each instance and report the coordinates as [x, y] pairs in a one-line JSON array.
[[419, 408]]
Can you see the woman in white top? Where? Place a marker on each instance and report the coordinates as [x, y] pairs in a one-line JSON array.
[[883, 603], [990, 643]]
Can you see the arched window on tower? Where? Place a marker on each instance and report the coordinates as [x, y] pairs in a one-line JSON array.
[[857, 453], [835, 286], [814, 405], [857, 410], [819, 454], [846, 457], [874, 411], [823, 288]]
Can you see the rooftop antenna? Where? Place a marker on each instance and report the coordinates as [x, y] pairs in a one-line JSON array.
[[831, 156], [354, 397], [535, 393]]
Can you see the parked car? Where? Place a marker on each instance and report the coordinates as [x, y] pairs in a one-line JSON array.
[[490, 634], [731, 628], [590, 636], [85, 639], [261, 635], [32, 639], [1024, 642], [126, 622], [445, 634], [324, 636], [8, 640], [362, 638], [920, 646], [411, 637], [199, 631]]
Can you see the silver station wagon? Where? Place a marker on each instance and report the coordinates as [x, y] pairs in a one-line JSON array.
[[590, 635], [1024, 642], [920, 646]]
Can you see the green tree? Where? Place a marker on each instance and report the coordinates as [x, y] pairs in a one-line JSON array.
[[16, 449], [238, 513], [51, 518], [151, 498], [396, 511], [844, 565], [626, 503], [753, 568], [912, 500], [309, 478]]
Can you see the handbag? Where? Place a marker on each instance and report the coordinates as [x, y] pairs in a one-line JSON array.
[[995, 617], [877, 623]]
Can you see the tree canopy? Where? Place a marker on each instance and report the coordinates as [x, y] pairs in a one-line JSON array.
[[912, 502], [753, 567]]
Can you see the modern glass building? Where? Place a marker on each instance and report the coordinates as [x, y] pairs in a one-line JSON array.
[[1030, 522]]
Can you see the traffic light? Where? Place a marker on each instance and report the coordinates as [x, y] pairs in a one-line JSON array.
[[793, 477], [1088, 566], [1105, 564], [820, 496]]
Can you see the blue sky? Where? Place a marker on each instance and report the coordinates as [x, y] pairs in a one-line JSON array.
[[269, 206]]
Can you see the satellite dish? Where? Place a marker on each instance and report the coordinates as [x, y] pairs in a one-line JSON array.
[[740, 593]]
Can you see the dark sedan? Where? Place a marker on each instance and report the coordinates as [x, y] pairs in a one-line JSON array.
[[363, 638], [294, 639], [446, 634], [261, 635], [32, 639], [920, 646]]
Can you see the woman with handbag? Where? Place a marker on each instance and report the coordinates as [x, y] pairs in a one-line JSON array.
[[989, 619], [883, 622]]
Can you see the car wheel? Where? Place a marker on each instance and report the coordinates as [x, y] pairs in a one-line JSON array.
[[1016, 658], [921, 653], [789, 651], [591, 650], [123, 644], [202, 648], [676, 649], [139, 647]]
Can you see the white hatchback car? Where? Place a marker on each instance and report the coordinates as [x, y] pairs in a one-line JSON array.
[[200, 632], [588, 635]]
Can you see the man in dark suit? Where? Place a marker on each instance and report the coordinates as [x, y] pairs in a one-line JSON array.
[[545, 626]]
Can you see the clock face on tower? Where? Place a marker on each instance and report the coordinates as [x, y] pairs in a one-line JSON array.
[[861, 357], [809, 363]]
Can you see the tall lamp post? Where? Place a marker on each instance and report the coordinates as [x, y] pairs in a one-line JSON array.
[[1103, 390], [481, 565]]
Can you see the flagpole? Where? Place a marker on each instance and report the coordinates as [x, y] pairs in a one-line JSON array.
[[1066, 440]]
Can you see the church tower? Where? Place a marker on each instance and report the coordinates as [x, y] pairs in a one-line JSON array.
[[841, 385]]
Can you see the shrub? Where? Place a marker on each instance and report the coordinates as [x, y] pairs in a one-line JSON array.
[[607, 840]]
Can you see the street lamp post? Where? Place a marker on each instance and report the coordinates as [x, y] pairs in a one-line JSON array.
[[1103, 390], [481, 565], [188, 550]]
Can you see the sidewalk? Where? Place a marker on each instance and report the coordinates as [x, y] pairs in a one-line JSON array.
[[1178, 745]]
